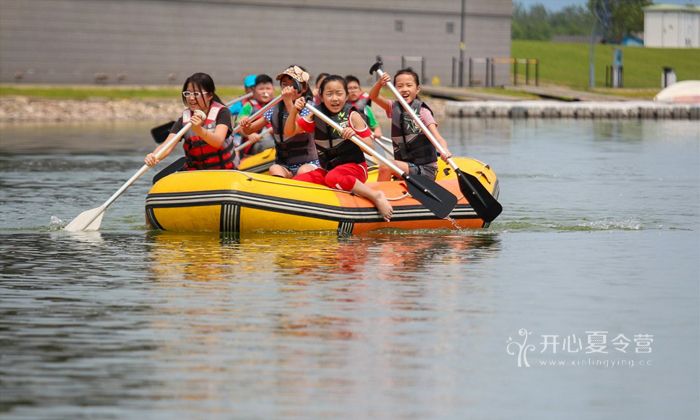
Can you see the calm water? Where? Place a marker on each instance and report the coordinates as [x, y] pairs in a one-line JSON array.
[[581, 301]]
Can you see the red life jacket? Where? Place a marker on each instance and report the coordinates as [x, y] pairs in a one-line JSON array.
[[202, 155], [361, 102], [256, 107]]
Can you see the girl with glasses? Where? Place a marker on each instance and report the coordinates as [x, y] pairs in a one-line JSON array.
[[208, 144]]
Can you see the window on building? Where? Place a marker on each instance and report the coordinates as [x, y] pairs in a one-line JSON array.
[[398, 25], [450, 27]]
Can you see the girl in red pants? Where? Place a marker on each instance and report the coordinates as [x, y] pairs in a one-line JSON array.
[[343, 163]]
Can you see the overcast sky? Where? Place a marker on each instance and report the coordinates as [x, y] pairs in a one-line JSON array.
[[554, 5]]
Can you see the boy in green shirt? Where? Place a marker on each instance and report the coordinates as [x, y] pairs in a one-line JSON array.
[[262, 94], [360, 100]]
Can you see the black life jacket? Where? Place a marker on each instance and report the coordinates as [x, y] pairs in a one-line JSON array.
[[410, 143], [333, 150], [293, 150]]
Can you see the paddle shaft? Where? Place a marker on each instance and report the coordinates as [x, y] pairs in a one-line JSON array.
[[260, 112], [380, 141], [240, 98], [159, 155], [358, 141], [249, 142]]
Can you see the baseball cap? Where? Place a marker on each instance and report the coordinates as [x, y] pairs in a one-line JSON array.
[[296, 73], [249, 80]]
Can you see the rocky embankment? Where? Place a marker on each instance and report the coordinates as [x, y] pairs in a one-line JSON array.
[[19, 109]]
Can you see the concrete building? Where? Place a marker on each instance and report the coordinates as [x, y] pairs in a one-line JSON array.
[[672, 26], [163, 41]]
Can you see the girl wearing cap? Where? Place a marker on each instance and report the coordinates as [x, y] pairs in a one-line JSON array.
[[295, 154], [207, 144], [343, 163]]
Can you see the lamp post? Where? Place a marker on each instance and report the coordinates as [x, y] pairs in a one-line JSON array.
[[591, 57], [461, 46], [601, 13]]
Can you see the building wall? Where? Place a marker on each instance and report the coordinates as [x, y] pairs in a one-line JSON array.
[[671, 29], [161, 42]]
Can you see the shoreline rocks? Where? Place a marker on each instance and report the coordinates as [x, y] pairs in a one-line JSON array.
[[22, 109], [579, 110]]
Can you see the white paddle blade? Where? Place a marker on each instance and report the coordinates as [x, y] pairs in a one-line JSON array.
[[87, 220]]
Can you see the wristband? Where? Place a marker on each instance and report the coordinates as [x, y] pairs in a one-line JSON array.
[[307, 126], [364, 133]]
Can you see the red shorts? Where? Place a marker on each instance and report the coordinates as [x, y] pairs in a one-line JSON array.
[[342, 177]]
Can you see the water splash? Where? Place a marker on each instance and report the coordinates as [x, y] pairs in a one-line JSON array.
[[543, 225], [454, 223], [609, 224], [56, 223]]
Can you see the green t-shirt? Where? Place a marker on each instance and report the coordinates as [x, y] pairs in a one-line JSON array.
[[246, 111], [371, 121]]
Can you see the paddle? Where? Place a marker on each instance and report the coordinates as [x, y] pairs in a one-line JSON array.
[[250, 142], [257, 114], [481, 200], [434, 197], [91, 219], [161, 132], [380, 141]]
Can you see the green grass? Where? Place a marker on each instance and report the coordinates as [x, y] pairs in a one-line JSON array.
[[506, 91], [567, 64], [105, 92]]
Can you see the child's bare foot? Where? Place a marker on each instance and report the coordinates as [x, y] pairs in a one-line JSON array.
[[383, 205], [376, 197]]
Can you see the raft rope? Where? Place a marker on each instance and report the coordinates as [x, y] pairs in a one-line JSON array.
[[310, 187]]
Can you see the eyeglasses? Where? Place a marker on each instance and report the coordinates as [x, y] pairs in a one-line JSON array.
[[187, 94]]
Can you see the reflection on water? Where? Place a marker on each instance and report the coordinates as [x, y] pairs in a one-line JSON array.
[[206, 257], [217, 314], [298, 302]]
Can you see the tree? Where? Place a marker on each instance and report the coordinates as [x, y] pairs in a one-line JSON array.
[[619, 18], [538, 23], [530, 24], [572, 20]]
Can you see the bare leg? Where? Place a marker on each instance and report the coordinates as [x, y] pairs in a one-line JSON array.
[[376, 197], [279, 170], [307, 167], [385, 173]]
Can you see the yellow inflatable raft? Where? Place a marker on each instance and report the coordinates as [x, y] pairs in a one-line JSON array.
[[243, 201]]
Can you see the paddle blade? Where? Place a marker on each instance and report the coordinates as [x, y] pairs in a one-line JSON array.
[[484, 204], [433, 196], [161, 132], [87, 220]]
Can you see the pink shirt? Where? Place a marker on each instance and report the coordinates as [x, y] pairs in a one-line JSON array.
[[425, 115]]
